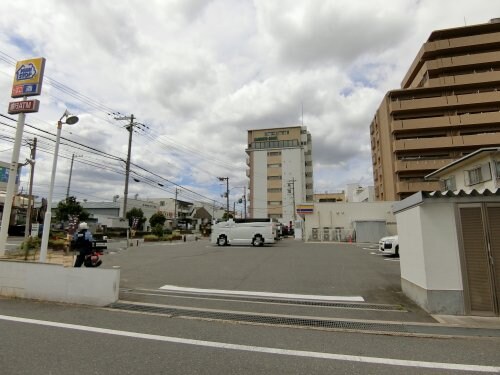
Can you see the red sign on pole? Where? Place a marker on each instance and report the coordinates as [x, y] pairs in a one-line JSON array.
[[24, 106]]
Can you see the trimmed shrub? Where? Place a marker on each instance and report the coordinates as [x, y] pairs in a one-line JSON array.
[[158, 230], [58, 244], [150, 238]]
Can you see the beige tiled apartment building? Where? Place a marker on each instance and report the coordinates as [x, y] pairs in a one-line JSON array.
[[448, 106], [280, 171]]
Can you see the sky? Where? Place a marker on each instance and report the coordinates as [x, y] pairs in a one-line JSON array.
[[196, 75]]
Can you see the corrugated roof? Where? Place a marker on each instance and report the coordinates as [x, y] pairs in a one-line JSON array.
[[419, 197], [461, 193]]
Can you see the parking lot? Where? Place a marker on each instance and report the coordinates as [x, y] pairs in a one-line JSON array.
[[288, 267]]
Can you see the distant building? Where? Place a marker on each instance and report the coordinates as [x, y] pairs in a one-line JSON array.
[[329, 197], [280, 171], [447, 107], [356, 193]]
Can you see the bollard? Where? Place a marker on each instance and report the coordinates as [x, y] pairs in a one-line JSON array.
[[184, 238], [137, 244]]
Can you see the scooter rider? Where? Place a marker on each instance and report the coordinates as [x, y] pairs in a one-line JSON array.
[[82, 242]]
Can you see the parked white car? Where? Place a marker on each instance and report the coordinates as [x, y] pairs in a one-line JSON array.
[[389, 245], [244, 232]]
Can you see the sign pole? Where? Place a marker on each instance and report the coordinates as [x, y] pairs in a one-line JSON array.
[[9, 195]]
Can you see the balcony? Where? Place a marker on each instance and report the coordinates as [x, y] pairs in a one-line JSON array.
[[465, 120], [459, 141], [413, 187], [420, 165], [443, 102]]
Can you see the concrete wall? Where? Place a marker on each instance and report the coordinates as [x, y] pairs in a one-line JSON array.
[[429, 257], [55, 283], [344, 214]]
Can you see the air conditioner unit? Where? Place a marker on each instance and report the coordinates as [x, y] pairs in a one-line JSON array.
[[315, 234]]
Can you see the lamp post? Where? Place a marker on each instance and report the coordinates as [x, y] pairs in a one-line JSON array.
[[70, 120]]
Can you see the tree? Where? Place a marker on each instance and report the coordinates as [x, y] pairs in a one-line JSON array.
[[157, 219], [135, 213], [70, 206]]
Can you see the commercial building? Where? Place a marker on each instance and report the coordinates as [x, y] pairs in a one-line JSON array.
[[448, 106], [280, 171]]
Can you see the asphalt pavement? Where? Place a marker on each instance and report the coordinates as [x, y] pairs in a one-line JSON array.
[[292, 308]]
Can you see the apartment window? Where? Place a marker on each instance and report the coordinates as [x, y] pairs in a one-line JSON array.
[[162, 203], [269, 134], [478, 174], [274, 203], [309, 174], [474, 176], [274, 153], [274, 190], [274, 177], [309, 163], [274, 216], [449, 183], [274, 165], [497, 169]]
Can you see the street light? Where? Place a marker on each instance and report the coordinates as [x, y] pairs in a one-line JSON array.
[[70, 120]]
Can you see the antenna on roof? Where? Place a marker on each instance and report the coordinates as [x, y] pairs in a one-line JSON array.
[[302, 117]]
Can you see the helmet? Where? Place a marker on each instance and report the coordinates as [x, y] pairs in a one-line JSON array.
[[83, 225]]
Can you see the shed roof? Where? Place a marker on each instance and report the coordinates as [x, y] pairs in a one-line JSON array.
[[421, 196]]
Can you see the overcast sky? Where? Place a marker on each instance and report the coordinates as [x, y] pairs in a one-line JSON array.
[[198, 74]]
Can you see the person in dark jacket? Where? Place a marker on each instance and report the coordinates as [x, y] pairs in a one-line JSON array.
[[82, 242]]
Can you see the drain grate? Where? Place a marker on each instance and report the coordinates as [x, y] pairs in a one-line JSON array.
[[262, 319], [345, 305]]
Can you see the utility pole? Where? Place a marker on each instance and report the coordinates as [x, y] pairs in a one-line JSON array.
[[27, 227], [130, 128], [175, 207], [292, 184], [70, 173], [245, 201], [227, 194]]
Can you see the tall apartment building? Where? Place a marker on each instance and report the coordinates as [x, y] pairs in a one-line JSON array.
[[280, 171], [448, 106]]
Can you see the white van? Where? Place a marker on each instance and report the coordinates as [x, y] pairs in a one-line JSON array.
[[244, 232]]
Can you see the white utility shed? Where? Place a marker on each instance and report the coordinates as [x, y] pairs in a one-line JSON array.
[[450, 251]]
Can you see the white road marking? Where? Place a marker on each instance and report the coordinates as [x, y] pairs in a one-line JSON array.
[[260, 349], [264, 294]]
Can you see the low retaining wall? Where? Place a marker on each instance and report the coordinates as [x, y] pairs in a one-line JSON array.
[[447, 302], [53, 282]]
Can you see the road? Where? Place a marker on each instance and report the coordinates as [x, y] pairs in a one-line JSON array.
[[244, 310]]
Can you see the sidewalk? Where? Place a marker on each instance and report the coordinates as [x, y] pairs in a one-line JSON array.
[[469, 321]]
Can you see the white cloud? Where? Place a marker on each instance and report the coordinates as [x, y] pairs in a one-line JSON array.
[[201, 73]]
